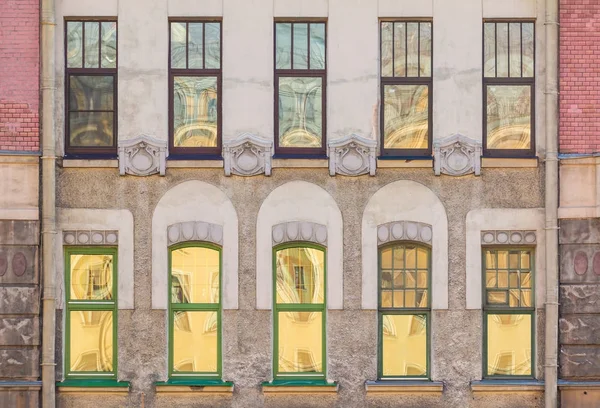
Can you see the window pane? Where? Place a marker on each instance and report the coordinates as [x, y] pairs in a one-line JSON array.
[[195, 336], [515, 49], [94, 93], [509, 344], [109, 45], [92, 51], [489, 49], [300, 46], [508, 117], [283, 46], [400, 49], [300, 342], [195, 45], [195, 275], [412, 49], [91, 277], [502, 49], [74, 44], [300, 275], [425, 69], [386, 258], [386, 49], [317, 46], [213, 46], [91, 129], [178, 36], [91, 340], [406, 116], [528, 50], [300, 112], [404, 345], [195, 110]]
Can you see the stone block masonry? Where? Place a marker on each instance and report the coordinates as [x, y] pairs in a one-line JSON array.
[[19, 75]]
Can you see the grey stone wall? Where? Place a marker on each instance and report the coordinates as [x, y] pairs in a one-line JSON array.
[[351, 332]]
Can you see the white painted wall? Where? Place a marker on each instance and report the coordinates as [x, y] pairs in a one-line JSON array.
[[503, 219], [299, 201], [194, 201], [405, 201]]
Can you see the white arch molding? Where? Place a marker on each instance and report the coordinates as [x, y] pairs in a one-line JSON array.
[[299, 201], [405, 200], [194, 201]]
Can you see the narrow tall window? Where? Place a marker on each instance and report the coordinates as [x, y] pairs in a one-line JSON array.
[[299, 312], [508, 317], [404, 310], [91, 88], [300, 81], [509, 88], [195, 88], [406, 88], [195, 311], [91, 313]]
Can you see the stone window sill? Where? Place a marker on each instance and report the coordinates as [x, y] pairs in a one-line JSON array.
[[300, 387], [578, 385], [194, 164], [494, 162], [507, 386], [301, 163], [404, 387], [20, 385], [405, 163], [190, 386], [91, 163], [84, 386]]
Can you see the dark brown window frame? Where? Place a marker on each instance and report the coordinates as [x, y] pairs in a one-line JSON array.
[[517, 81], [406, 80], [90, 151], [194, 152], [300, 152]]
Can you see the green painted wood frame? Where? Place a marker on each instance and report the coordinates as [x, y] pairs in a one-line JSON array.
[[191, 307], [487, 310], [299, 307], [89, 305], [403, 311]]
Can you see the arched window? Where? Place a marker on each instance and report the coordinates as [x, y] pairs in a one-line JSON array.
[[195, 310], [404, 310], [299, 311]]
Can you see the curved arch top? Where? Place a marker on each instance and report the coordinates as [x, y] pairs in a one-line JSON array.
[[399, 204], [194, 205], [307, 203]]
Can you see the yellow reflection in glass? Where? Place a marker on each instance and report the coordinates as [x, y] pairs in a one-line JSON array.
[[91, 340], [404, 345], [195, 341], [406, 116], [300, 111], [508, 117], [509, 344], [195, 275], [300, 275], [195, 111], [91, 277], [300, 342]]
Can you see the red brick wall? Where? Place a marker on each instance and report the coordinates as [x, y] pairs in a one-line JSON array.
[[579, 76], [19, 75]]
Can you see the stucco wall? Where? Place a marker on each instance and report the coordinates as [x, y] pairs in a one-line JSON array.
[[351, 332]]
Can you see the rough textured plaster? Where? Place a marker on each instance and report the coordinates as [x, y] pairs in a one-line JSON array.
[[352, 332]]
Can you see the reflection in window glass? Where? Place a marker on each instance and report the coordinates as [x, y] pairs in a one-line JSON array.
[[508, 117], [195, 275], [509, 344], [91, 341], [300, 111], [404, 343], [91, 277], [300, 342], [195, 338], [195, 111], [300, 275], [406, 116]]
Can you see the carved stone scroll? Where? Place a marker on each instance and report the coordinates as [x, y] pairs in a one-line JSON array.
[[142, 156], [248, 155], [352, 156], [457, 155]]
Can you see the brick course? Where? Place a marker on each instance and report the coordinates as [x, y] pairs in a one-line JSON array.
[[579, 76], [19, 75]]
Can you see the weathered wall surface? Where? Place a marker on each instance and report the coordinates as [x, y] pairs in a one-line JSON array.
[[351, 332]]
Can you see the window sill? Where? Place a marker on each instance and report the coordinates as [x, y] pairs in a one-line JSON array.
[[300, 387], [494, 162], [578, 385], [90, 163], [189, 386], [301, 163], [81, 386], [194, 164], [404, 163], [404, 387], [507, 386], [20, 386]]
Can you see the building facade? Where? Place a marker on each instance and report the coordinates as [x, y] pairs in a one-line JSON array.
[[20, 322]]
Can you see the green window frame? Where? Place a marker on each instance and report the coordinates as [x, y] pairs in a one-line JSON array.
[[508, 312], [304, 311], [84, 300], [404, 293], [185, 309]]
